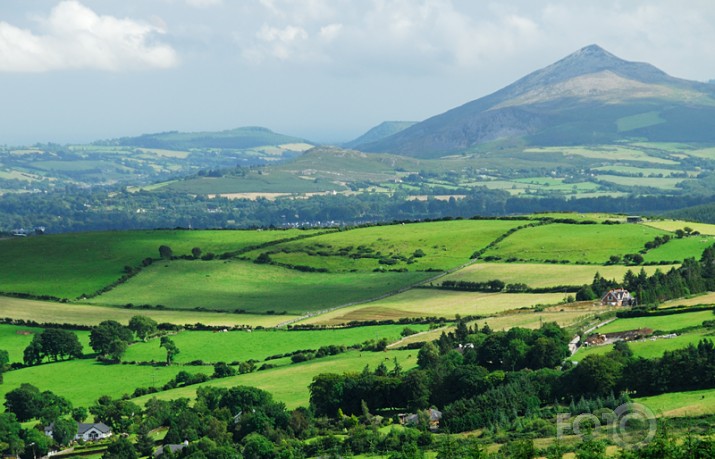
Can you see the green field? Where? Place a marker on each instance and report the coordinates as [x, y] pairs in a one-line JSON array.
[[604, 152], [650, 348], [663, 183], [424, 302], [537, 275], [84, 381], [574, 243], [242, 346], [70, 265], [667, 323], [680, 249], [232, 285], [681, 404], [289, 384], [49, 312], [446, 244]]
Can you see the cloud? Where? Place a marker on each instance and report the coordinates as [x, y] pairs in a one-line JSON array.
[[387, 34], [203, 3], [75, 37]]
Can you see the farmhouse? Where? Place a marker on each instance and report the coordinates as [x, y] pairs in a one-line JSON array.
[[414, 419], [87, 432], [618, 297]]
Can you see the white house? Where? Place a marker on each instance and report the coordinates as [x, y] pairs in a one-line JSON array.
[[87, 432]]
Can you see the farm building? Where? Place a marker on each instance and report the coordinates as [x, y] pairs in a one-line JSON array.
[[634, 219], [172, 448], [618, 297], [87, 432], [414, 419]]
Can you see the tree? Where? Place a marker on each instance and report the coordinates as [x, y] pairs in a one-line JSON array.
[[79, 414], [53, 343], [10, 441], [64, 431], [165, 252], [222, 370], [110, 339], [145, 444], [53, 407], [33, 352], [121, 448], [25, 402], [428, 356], [196, 252], [4, 362], [37, 444], [256, 446], [585, 293], [171, 349], [143, 326]]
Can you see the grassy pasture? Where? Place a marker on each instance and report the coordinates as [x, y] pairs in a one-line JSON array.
[[663, 183], [638, 170], [650, 348], [50, 312], [665, 323], [230, 285], [434, 302], [574, 243], [446, 244], [606, 152], [69, 265], [679, 249], [84, 381], [681, 404], [542, 275], [289, 384], [242, 346], [272, 182], [706, 298]]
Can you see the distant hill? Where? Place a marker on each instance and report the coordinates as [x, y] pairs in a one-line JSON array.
[[379, 132], [240, 138], [589, 97]]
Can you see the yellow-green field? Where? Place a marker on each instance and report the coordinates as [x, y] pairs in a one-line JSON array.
[[537, 275], [82, 314], [445, 244], [229, 285], [424, 302], [289, 384], [672, 225]]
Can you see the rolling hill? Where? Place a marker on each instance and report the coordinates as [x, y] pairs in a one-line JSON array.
[[239, 138], [589, 97]]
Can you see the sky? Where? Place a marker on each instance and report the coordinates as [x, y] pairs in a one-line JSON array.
[[75, 71]]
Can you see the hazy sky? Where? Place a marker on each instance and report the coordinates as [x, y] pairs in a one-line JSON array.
[[328, 70]]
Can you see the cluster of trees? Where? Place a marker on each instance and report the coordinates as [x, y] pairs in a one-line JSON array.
[[690, 278], [457, 366], [112, 208], [54, 343]]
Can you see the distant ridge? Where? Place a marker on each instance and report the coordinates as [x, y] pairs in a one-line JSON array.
[[590, 96], [239, 138], [379, 132]]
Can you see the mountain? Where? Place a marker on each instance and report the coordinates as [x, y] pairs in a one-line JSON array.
[[379, 132], [589, 97], [240, 138]]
